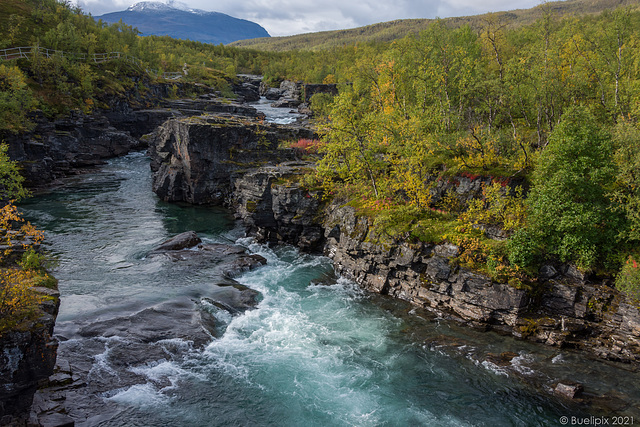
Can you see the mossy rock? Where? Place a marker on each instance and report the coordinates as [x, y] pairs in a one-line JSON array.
[[251, 206]]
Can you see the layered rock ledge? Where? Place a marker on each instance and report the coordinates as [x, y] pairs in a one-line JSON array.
[[570, 310]]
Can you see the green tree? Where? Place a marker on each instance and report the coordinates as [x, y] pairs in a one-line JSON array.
[[571, 215], [353, 141], [10, 179], [627, 192], [16, 100]]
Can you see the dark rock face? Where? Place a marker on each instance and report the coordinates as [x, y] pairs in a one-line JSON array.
[[57, 148], [27, 358], [277, 208], [197, 160], [248, 89], [312, 89]]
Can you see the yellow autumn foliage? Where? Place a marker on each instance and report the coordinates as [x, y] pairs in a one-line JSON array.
[[18, 300]]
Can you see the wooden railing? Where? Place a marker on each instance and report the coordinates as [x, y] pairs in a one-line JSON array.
[[28, 52]]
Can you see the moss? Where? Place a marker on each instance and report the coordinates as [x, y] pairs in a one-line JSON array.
[[251, 206], [530, 329], [46, 280]]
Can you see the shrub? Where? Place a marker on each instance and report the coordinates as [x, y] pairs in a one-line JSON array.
[[500, 205], [18, 301], [628, 279], [306, 146], [16, 100]]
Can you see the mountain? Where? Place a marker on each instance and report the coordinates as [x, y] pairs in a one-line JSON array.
[[393, 30], [177, 20]]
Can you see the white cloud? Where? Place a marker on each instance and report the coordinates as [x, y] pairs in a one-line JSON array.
[[285, 17]]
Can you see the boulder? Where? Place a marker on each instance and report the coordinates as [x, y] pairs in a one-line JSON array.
[[291, 89], [286, 103], [185, 240], [273, 94], [568, 390]]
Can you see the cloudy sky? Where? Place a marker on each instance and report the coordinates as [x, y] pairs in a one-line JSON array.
[[287, 17]]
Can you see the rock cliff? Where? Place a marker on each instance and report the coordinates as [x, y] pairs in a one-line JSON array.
[[568, 310], [276, 208], [198, 159], [66, 145], [27, 358]]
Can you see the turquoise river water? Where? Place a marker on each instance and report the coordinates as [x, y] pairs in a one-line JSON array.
[[316, 351]]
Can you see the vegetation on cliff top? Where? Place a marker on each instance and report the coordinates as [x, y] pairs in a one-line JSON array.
[[552, 105]]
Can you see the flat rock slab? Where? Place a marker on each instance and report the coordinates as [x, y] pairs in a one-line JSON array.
[[233, 260]]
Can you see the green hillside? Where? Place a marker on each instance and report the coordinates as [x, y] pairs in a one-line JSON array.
[[393, 30]]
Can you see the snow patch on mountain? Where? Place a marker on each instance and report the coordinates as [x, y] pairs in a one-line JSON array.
[[161, 5]]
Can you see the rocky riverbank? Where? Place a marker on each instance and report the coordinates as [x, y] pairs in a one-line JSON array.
[[27, 357], [69, 145], [571, 311]]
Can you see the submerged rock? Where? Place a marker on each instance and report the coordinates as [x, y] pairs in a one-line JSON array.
[[243, 264], [185, 240], [232, 260], [111, 356], [569, 390]]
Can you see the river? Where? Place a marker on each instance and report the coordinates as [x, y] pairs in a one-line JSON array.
[[316, 351]]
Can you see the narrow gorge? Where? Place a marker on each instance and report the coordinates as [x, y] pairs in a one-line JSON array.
[[300, 310]]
